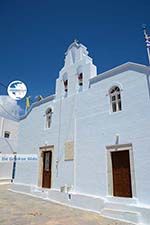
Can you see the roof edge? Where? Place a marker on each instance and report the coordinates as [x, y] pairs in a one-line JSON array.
[[35, 104], [119, 69]]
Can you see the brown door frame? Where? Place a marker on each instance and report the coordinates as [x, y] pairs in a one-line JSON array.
[[43, 149], [46, 177], [122, 183], [120, 147]]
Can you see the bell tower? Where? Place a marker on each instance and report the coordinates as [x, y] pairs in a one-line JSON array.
[[78, 69]]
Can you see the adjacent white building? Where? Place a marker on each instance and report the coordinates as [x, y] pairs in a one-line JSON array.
[[91, 140], [8, 147]]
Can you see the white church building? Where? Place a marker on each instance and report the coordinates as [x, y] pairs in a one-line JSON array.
[[90, 140]]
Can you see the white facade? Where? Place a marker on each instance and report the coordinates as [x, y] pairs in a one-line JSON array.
[[83, 134], [8, 146]]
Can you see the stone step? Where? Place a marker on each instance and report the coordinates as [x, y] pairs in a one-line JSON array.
[[128, 216], [5, 181], [39, 192], [119, 206]]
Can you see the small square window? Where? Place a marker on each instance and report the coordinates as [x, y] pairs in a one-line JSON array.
[[6, 134]]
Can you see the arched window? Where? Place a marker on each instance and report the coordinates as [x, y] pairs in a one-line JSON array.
[[80, 79], [115, 99], [66, 85], [65, 82], [48, 117], [80, 75]]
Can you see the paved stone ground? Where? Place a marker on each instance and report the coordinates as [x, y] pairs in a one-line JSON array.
[[18, 209]]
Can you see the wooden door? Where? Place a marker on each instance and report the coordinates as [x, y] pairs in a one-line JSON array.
[[121, 173], [47, 163]]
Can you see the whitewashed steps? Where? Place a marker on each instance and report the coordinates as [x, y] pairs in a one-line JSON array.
[[128, 216], [39, 192]]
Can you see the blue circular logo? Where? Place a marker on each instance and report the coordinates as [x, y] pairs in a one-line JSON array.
[[17, 90]]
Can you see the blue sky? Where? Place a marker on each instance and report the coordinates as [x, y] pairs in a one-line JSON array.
[[34, 36]]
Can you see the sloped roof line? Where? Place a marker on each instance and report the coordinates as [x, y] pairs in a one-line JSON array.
[[119, 69], [35, 104]]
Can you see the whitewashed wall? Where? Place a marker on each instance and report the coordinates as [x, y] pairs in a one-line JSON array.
[[100, 129], [7, 146], [85, 117], [33, 135]]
